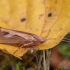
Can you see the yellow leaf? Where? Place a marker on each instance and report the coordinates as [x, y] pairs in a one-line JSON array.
[[12, 14], [60, 24], [55, 25], [11, 50], [49, 19], [35, 16]]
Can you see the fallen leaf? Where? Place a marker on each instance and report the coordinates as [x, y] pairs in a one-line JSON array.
[[45, 18]]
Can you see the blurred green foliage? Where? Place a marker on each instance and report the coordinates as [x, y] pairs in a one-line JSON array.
[[64, 46], [19, 66]]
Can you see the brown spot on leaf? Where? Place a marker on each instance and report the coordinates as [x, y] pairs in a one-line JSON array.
[[68, 16], [40, 16], [45, 21], [47, 7], [60, 29], [56, 1], [43, 1], [30, 28], [31, 5], [23, 19], [50, 14], [37, 29]]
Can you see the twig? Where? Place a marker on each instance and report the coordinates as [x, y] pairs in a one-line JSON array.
[[39, 64], [44, 61], [48, 53]]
